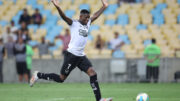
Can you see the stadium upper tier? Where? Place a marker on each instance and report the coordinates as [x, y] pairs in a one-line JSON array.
[[136, 23]]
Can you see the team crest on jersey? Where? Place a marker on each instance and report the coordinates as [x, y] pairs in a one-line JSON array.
[[83, 33]]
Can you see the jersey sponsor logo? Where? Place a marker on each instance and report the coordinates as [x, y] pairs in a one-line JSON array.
[[83, 33]]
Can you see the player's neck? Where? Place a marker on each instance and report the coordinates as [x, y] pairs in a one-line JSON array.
[[81, 22]]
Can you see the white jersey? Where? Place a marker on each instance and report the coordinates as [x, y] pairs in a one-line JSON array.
[[115, 42], [79, 37]]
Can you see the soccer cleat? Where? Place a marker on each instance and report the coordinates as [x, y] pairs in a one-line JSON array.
[[34, 78], [106, 99]]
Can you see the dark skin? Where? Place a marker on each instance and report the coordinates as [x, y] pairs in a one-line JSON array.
[[83, 19]]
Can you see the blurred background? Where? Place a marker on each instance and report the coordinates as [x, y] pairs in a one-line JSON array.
[[133, 22]]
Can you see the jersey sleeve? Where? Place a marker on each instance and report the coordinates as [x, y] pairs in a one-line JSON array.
[[146, 51], [73, 22], [89, 22]]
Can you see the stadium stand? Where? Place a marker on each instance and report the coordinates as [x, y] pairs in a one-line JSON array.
[[136, 23]]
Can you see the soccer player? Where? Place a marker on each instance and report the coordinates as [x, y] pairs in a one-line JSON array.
[[74, 56]]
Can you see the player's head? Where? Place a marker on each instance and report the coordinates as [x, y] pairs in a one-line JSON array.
[[84, 16], [12, 23], [42, 39], [23, 24], [37, 11], [25, 12], [116, 35], [153, 41]]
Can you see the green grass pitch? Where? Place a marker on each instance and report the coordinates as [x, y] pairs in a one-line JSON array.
[[83, 92]]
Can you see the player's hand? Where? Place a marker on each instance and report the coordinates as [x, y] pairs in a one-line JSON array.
[[105, 3], [55, 2], [151, 61]]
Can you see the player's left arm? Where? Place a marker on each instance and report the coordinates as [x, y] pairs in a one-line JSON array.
[[100, 11]]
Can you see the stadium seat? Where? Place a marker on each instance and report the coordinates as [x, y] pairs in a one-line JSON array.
[[78, 2], [178, 1], [111, 9], [41, 32], [43, 2], [149, 6], [33, 43], [118, 54], [157, 1], [158, 19], [1, 2], [94, 33], [70, 13], [94, 27], [46, 56], [40, 7], [75, 8], [125, 39], [31, 2], [178, 18], [100, 21], [3, 23], [58, 43], [147, 42], [119, 29], [110, 22], [33, 26], [123, 19], [57, 54], [45, 12], [62, 23], [84, 6], [111, 17], [141, 26], [56, 30], [176, 28], [138, 1]]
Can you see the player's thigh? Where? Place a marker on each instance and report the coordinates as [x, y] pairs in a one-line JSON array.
[[70, 62], [84, 64]]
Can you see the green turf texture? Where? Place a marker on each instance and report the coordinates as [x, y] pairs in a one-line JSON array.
[[83, 92]]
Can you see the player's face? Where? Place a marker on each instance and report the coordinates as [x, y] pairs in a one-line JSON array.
[[84, 18]]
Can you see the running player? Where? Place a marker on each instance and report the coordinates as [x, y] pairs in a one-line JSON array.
[[74, 56]]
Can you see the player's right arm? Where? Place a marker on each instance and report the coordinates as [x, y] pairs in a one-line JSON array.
[[61, 13]]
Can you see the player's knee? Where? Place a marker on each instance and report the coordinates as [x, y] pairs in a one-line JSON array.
[[91, 72]]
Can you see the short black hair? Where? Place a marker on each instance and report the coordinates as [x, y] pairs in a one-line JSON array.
[[84, 11], [153, 40], [36, 9], [25, 9]]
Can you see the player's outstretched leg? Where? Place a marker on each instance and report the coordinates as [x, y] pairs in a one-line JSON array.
[[95, 85], [46, 76]]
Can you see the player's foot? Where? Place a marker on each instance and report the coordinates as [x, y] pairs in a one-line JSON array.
[[34, 78], [106, 99]]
